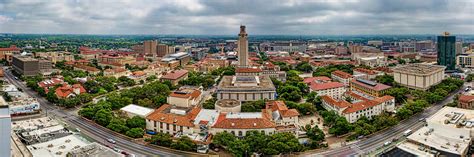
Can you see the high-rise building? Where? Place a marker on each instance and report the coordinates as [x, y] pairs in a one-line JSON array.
[[162, 50], [5, 130], [447, 51], [243, 48], [459, 47], [149, 47]]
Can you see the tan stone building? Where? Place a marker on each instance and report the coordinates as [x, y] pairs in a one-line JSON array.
[[419, 76]]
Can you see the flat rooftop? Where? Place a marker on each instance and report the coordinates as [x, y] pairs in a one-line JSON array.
[[206, 116], [244, 115], [439, 141], [138, 110], [246, 83], [33, 124], [418, 69], [58, 147], [454, 118], [95, 150], [227, 103]]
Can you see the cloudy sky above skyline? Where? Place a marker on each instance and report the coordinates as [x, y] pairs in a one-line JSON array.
[[223, 17]]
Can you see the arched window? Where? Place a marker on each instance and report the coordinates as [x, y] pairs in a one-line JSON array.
[[240, 133], [233, 133]]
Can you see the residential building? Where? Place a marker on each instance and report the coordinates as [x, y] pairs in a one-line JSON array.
[[67, 91], [5, 131], [459, 48], [448, 132], [239, 124], [149, 47], [116, 72], [360, 106], [466, 101], [370, 59], [447, 51], [184, 97], [366, 74], [86, 68], [172, 119], [7, 53], [28, 66], [286, 120], [243, 48], [368, 87], [54, 57], [182, 58], [342, 77], [162, 50], [246, 88], [46, 84], [175, 76], [418, 76], [465, 60], [324, 86]]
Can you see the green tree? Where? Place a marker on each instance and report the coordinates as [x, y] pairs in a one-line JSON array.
[[385, 79], [341, 126], [254, 140], [304, 67], [103, 117], [223, 139], [135, 133], [161, 139], [184, 143], [136, 122], [87, 112], [239, 148], [118, 125]]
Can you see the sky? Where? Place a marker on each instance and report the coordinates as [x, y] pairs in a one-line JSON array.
[[223, 17]]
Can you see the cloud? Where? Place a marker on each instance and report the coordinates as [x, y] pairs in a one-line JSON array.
[[298, 17]]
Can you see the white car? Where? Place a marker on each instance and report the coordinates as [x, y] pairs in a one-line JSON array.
[[387, 143], [111, 140]]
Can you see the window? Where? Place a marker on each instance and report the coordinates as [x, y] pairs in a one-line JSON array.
[[233, 133], [240, 133]]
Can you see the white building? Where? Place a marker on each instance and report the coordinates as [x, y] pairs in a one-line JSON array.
[[448, 132], [324, 86], [184, 97], [135, 110], [361, 105], [341, 76], [419, 76], [197, 123], [246, 88], [5, 130]]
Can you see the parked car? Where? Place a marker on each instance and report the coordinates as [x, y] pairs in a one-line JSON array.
[[387, 143]]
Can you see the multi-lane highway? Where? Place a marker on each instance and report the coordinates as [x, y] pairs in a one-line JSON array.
[[99, 134], [373, 142]]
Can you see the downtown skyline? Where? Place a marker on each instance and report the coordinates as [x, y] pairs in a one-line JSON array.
[[344, 17]]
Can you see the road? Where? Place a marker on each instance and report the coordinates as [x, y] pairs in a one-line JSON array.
[[373, 142], [99, 134]]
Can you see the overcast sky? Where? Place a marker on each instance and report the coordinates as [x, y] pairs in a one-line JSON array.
[[223, 17]]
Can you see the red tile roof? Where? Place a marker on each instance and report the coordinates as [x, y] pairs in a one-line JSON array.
[[366, 71], [174, 75], [466, 98], [162, 115], [280, 106], [324, 86], [65, 90], [11, 48], [86, 68], [244, 123], [311, 80], [361, 105], [194, 94], [367, 104], [377, 87], [248, 70], [341, 74]]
